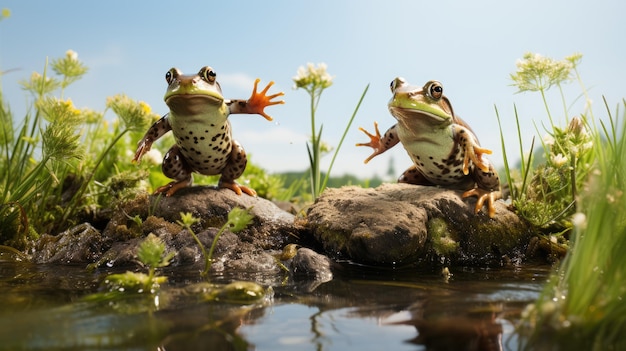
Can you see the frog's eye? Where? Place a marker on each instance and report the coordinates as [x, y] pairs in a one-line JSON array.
[[171, 75], [208, 74], [435, 90], [396, 83]]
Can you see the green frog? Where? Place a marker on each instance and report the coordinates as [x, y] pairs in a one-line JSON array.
[[444, 149], [198, 118]]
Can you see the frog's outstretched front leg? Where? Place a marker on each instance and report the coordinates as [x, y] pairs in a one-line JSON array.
[[380, 145], [156, 131], [472, 150], [257, 102]]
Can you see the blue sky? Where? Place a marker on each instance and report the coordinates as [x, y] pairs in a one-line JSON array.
[[470, 46]]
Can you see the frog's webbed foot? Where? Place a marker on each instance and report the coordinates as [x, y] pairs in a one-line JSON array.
[[472, 151], [143, 147], [258, 101], [475, 153], [157, 130], [483, 195], [172, 187], [237, 188], [374, 142]]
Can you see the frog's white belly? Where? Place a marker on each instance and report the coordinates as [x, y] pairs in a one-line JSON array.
[[206, 146], [435, 155]]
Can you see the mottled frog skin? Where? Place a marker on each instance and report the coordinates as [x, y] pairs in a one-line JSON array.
[[198, 118], [443, 147]]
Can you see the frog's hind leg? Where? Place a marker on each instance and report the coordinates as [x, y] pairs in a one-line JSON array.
[[413, 176], [234, 169], [483, 195], [175, 167]]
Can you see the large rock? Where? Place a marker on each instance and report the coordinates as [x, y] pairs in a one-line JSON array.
[[116, 245], [398, 224]]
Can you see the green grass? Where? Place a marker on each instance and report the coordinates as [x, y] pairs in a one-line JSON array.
[[582, 305], [575, 196], [60, 162]]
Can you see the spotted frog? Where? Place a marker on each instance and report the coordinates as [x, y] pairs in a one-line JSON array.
[[444, 149], [198, 118]]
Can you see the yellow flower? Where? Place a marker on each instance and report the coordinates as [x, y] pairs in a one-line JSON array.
[[145, 107], [5, 13], [64, 111], [135, 115]]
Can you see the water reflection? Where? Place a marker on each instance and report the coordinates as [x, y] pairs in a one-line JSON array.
[[360, 309]]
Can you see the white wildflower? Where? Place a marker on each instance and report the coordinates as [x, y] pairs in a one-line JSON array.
[[154, 156], [558, 160], [71, 54], [313, 77], [548, 140], [579, 220]]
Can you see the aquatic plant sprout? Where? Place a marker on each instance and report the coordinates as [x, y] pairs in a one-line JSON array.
[[238, 220]]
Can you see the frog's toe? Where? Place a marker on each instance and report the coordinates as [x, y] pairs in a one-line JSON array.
[[374, 142], [172, 187], [477, 158], [483, 195], [238, 189], [247, 190], [259, 100]]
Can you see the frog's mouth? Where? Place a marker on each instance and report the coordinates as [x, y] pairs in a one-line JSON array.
[[192, 104], [407, 114]]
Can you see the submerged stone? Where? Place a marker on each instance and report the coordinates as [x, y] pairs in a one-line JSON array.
[[405, 224]]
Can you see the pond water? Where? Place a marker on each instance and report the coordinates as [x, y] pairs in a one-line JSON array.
[[362, 308]]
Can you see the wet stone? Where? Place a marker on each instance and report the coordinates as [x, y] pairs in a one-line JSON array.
[[251, 249]]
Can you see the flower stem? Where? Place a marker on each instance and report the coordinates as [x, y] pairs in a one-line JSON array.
[[332, 162], [72, 207], [209, 258]]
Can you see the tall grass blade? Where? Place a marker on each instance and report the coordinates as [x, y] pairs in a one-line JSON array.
[[343, 136]]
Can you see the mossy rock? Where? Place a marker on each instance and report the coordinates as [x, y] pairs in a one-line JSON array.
[[397, 224]]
